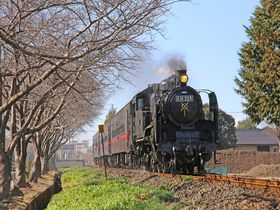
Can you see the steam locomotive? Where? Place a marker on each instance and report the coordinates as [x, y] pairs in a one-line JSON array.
[[162, 128]]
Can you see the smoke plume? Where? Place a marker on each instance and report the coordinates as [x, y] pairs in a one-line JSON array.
[[176, 64], [169, 65]]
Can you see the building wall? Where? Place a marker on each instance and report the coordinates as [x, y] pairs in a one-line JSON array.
[[246, 147]]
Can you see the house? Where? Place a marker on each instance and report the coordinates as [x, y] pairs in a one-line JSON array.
[[255, 139]]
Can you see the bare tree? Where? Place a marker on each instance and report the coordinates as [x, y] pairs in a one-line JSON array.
[[41, 38], [82, 105]]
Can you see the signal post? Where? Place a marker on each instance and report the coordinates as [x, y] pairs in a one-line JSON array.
[[101, 131]]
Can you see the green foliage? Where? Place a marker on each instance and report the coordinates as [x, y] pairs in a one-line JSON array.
[[166, 186], [246, 124], [78, 175], [259, 76], [186, 178], [226, 132], [85, 188]]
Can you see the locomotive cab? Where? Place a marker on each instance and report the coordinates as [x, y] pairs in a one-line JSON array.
[[141, 112]]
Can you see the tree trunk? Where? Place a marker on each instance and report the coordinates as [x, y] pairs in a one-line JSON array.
[[45, 164], [5, 174], [5, 158], [20, 162], [52, 165], [35, 173]]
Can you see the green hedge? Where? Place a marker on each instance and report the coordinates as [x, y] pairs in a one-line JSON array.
[[86, 188]]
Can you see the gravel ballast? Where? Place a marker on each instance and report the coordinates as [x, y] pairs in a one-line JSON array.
[[194, 194]]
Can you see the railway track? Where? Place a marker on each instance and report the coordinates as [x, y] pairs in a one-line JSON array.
[[271, 185]]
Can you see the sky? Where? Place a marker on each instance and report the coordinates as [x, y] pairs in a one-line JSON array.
[[207, 35]]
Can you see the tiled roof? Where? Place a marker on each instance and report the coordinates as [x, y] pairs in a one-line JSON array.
[[256, 136]]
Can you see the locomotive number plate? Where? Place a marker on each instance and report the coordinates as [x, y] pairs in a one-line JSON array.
[[185, 98]]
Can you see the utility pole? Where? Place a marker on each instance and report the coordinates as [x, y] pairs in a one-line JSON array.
[[101, 131]]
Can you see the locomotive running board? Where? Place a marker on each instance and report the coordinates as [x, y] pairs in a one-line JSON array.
[[140, 140]]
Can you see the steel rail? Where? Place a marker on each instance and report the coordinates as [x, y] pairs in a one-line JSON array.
[[271, 185]]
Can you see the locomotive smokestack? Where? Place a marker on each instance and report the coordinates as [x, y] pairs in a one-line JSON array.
[[179, 67], [181, 72]]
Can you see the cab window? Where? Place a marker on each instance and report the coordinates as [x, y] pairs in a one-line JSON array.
[[140, 103]]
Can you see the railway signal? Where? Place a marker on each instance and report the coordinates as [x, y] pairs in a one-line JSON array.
[[101, 128]]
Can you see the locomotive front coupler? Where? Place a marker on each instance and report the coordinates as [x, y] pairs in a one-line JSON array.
[[189, 150]]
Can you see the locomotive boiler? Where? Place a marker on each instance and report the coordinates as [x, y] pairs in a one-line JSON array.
[[162, 128]]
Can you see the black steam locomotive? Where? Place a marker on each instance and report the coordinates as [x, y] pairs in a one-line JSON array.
[[162, 128]]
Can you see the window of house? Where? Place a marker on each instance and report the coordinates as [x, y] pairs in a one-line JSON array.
[[275, 149], [263, 148]]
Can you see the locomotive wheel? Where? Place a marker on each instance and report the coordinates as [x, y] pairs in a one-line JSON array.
[[155, 165], [200, 167], [165, 168], [152, 165], [172, 167], [158, 167], [190, 168]]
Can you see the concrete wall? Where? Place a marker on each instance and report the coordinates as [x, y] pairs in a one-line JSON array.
[[243, 161]]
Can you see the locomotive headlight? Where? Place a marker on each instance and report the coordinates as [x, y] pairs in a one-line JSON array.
[[184, 78]]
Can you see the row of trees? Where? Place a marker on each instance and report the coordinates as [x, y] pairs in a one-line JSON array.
[[58, 60]]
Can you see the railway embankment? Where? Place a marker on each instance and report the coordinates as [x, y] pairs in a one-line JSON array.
[[35, 195], [196, 194]]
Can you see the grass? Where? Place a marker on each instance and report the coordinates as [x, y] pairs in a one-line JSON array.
[[186, 178], [86, 188]]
